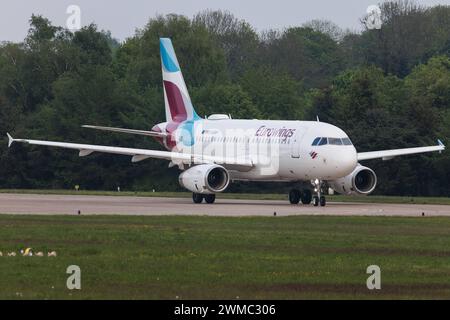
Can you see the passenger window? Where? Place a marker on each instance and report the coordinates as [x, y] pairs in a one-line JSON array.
[[316, 141], [323, 141]]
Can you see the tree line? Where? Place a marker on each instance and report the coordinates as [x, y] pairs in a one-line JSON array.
[[387, 88]]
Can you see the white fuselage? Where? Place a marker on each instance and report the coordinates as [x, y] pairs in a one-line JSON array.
[[280, 150]]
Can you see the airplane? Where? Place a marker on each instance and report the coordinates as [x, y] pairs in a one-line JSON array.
[[214, 151]]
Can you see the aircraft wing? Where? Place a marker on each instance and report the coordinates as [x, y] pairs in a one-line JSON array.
[[123, 130], [140, 154], [389, 154]]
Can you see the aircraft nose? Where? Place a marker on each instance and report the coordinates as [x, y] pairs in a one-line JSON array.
[[346, 161]]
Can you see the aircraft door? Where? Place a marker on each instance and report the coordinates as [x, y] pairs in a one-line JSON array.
[[296, 142]]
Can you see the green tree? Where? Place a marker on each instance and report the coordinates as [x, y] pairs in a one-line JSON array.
[[237, 38], [201, 60], [429, 95], [276, 95], [309, 56], [429, 111], [225, 98], [409, 35]]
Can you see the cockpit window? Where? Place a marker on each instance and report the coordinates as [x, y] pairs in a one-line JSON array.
[[323, 141], [316, 141], [335, 141], [347, 141]]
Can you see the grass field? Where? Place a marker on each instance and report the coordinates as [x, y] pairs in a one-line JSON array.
[[224, 258], [250, 196]]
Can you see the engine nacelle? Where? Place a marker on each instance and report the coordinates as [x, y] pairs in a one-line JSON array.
[[205, 178], [361, 181]]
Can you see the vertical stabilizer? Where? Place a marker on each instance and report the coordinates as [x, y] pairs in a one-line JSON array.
[[176, 96]]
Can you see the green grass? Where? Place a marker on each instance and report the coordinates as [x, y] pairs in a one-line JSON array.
[[250, 196], [224, 258]]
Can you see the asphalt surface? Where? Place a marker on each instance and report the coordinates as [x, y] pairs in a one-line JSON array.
[[88, 205]]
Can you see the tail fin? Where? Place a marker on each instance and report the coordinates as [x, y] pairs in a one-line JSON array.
[[176, 96]]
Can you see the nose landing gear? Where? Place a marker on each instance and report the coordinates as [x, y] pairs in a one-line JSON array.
[[318, 199]]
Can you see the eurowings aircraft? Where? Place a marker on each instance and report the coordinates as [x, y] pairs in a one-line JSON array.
[[217, 150]]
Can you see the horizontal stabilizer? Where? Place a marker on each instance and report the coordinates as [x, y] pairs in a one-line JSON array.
[[131, 131]]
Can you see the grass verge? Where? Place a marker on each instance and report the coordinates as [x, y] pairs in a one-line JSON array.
[[170, 257]]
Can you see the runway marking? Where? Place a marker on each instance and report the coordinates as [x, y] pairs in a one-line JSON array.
[[124, 205]]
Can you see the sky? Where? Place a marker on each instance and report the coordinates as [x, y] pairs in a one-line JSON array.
[[123, 17]]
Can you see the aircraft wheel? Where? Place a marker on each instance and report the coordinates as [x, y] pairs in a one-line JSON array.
[[322, 201], [197, 197], [210, 198], [315, 201], [306, 196], [294, 196]]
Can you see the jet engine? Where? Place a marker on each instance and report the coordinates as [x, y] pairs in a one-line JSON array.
[[361, 181], [205, 178]]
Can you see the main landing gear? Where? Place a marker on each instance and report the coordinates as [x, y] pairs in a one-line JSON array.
[[295, 196], [306, 197], [198, 198]]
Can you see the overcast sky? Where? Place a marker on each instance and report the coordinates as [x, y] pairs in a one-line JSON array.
[[122, 17]]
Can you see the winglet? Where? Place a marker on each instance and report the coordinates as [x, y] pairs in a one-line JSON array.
[[10, 139], [440, 143]]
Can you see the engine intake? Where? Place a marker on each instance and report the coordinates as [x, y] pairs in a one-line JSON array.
[[361, 181], [205, 178]]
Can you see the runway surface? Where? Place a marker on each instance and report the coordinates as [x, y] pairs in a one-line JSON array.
[[88, 205]]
